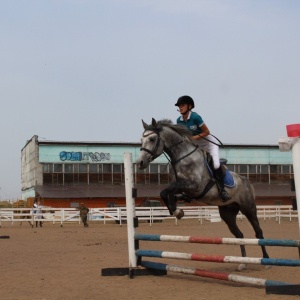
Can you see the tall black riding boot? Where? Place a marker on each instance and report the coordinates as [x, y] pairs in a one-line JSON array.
[[220, 181]]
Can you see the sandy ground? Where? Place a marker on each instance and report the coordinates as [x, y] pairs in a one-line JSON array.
[[56, 262]]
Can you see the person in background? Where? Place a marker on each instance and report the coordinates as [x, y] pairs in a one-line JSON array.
[[38, 211], [83, 212], [202, 137]]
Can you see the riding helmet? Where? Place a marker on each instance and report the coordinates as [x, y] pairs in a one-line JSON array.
[[185, 100]]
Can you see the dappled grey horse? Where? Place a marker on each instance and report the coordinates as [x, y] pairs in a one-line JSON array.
[[193, 179]]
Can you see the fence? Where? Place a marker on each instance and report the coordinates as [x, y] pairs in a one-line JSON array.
[[148, 214]]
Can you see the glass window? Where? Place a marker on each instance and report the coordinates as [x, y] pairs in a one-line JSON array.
[[264, 169], [106, 168], [83, 168], [252, 169], [47, 168], [117, 168], [68, 168], [58, 168], [154, 168], [93, 168], [243, 169], [76, 168], [273, 169], [285, 169]]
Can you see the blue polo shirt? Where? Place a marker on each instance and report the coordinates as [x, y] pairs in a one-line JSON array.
[[193, 123]]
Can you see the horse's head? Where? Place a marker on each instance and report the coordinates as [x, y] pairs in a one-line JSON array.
[[152, 144]]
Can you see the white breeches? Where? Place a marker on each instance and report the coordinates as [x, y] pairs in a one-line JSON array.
[[211, 148]]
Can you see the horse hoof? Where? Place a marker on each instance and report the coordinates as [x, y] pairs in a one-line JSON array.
[[241, 267], [178, 213]]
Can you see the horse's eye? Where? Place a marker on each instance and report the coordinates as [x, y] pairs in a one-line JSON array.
[[152, 139]]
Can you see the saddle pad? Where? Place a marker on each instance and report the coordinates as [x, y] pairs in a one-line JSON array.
[[228, 179]]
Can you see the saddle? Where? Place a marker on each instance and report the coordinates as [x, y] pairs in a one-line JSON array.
[[228, 178]]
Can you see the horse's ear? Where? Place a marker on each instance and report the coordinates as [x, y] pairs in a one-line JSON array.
[[154, 124], [144, 124]]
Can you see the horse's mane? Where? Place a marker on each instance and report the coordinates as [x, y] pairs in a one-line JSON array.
[[180, 129]]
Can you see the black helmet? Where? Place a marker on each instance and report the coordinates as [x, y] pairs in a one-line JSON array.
[[185, 100]]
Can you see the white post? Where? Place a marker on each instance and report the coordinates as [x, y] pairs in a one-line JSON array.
[[130, 207], [296, 166], [286, 144]]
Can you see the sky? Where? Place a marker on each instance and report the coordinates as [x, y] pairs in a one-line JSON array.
[[91, 70]]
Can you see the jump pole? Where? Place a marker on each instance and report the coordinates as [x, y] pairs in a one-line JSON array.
[[132, 222], [215, 275], [220, 258], [216, 240]]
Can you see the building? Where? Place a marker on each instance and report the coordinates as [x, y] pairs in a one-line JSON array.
[[64, 173]]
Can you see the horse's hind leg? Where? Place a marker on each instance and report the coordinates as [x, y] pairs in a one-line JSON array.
[[251, 215], [228, 215]]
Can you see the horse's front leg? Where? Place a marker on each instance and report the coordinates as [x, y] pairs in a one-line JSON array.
[[169, 198]]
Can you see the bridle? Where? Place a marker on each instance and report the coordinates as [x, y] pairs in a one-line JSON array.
[[154, 155], [152, 152]]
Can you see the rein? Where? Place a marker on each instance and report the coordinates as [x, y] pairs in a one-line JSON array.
[[153, 151]]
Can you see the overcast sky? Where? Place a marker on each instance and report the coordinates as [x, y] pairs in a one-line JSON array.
[[84, 70]]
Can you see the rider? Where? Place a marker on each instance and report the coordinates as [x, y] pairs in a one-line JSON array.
[[202, 137]]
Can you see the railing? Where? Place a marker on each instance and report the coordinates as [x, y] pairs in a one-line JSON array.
[[30, 215], [148, 214]]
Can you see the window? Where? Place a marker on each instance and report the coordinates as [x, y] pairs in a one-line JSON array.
[[264, 169], [285, 169], [58, 168], [153, 168], [47, 168], [107, 173], [117, 168], [243, 169], [252, 169], [274, 169], [82, 168], [106, 168], [93, 168], [68, 168]]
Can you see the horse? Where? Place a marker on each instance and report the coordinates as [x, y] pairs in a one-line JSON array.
[[193, 179], [27, 216]]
